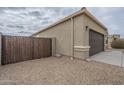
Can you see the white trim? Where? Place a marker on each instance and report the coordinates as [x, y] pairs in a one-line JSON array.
[[81, 48]]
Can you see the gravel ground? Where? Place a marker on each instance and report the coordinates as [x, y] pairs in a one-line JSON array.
[[63, 71]]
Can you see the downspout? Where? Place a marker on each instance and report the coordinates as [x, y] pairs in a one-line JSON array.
[[72, 38]]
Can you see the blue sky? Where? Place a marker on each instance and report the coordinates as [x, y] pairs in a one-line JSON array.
[[25, 21]]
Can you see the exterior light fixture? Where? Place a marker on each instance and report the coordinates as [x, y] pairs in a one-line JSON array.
[[87, 28]]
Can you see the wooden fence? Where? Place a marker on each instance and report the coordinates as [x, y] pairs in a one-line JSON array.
[[18, 48]]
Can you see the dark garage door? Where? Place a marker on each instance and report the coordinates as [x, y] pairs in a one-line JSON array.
[[96, 42]]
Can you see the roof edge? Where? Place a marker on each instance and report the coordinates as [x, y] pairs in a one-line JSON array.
[[62, 20], [82, 10], [94, 18]]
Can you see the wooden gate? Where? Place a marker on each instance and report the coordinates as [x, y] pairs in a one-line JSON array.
[[17, 48]]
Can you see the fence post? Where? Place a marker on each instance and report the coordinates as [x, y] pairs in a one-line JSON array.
[[122, 58], [0, 49], [53, 46]]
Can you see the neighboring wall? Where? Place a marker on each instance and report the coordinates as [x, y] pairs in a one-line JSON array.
[[111, 38], [62, 33]]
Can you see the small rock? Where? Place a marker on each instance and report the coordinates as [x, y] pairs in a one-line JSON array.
[[88, 60], [58, 55]]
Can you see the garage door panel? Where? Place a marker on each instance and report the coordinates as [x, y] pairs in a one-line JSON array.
[[96, 42]]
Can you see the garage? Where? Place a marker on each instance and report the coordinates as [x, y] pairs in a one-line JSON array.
[[96, 42], [71, 35]]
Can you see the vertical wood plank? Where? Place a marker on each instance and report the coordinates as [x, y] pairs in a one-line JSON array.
[[17, 48]]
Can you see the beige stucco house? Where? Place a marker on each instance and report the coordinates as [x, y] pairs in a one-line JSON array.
[[79, 35]]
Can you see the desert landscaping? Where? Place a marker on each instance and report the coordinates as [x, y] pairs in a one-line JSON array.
[[53, 70], [76, 49]]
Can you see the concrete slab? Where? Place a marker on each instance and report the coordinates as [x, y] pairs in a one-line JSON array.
[[110, 57]]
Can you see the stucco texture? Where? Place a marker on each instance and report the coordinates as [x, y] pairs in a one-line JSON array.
[[63, 34]]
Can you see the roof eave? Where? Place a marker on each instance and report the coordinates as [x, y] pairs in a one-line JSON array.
[[60, 21], [94, 18], [71, 16]]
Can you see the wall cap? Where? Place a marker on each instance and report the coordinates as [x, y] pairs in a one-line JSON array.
[[81, 47]]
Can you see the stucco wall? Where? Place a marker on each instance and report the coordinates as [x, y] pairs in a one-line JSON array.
[[79, 38], [93, 25], [62, 33], [78, 31]]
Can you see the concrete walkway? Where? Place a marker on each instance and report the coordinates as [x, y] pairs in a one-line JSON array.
[[110, 57]]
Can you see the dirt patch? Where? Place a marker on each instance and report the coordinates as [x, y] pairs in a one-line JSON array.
[[62, 70]]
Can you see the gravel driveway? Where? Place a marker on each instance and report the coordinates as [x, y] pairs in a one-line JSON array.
[[54, 70]]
